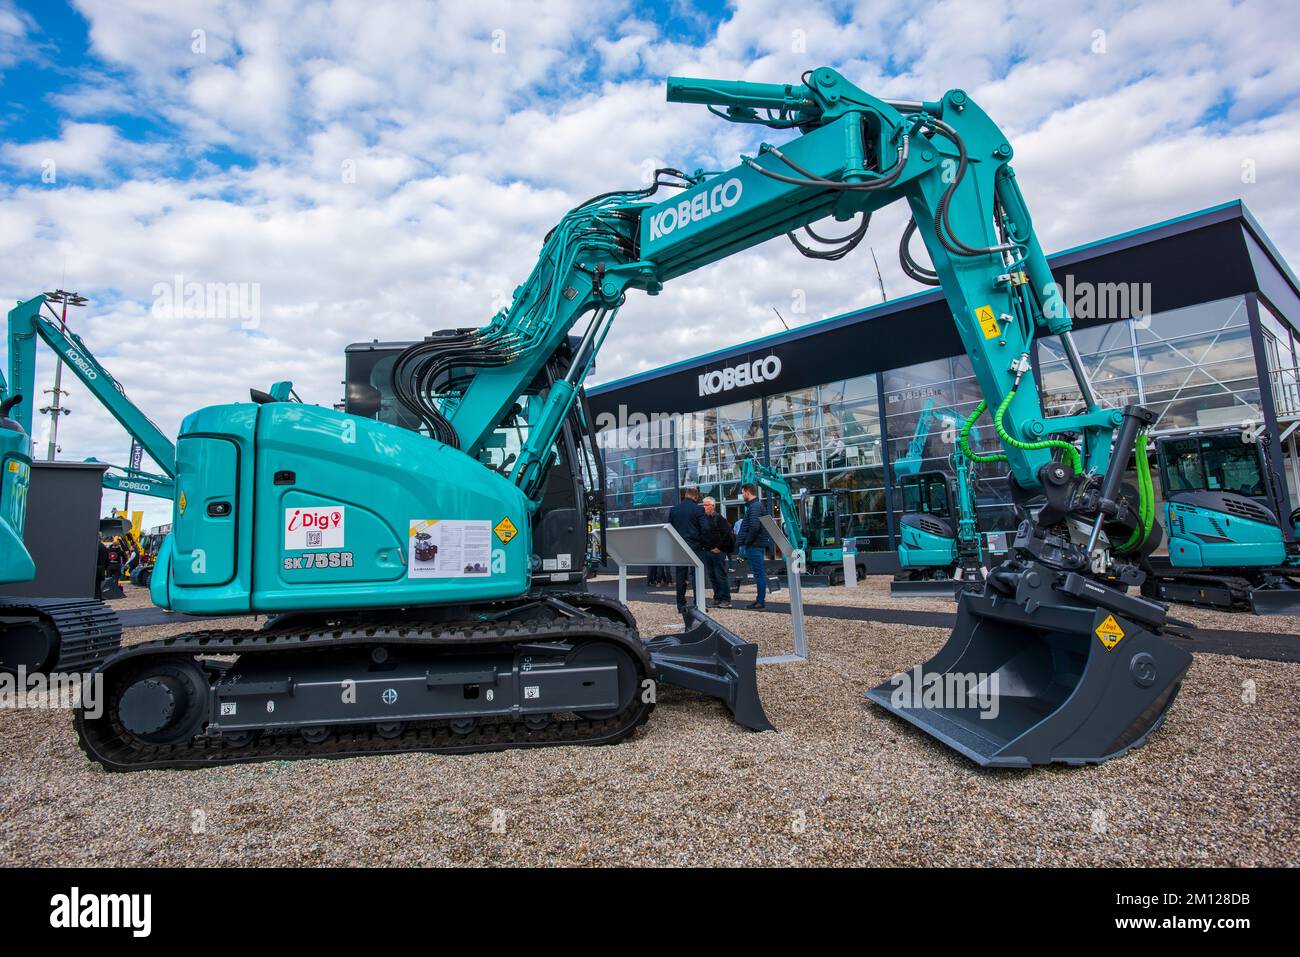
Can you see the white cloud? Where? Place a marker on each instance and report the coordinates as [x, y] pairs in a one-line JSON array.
[[92, 150]]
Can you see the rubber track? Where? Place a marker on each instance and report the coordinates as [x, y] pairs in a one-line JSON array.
[[106, 742], [89, 631]]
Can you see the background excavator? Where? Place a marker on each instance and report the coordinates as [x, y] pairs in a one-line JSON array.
[[815, 520], [939, 545], [1232, 531], [409, 569], [53, 634]]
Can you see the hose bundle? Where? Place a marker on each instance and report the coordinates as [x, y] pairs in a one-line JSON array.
[[427, 375], [1069, 453], [1146, 498]]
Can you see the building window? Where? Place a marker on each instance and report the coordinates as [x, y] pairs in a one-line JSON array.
[[794, 432], [1111, 363], [1197, 366], [1280, 351], [740, 433], [853, 454], [640, 478]]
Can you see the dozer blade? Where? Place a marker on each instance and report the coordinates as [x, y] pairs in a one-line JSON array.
[[1060, 675], [1275, 601], [924, 588], [710, 659]]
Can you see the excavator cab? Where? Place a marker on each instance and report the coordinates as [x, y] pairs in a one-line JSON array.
[[1232, 534], [1217, 506], [927, 536], [827, 517]]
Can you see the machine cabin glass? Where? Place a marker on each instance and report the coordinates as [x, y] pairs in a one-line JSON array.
[[822, 519], [927, 493], [1212, 463]]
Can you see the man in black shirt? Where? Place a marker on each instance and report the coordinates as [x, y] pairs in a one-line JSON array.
[[719, 542], [687, 516]]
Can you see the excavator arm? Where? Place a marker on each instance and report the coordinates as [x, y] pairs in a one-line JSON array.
[[753, 472], [123, 478], [26, 326]]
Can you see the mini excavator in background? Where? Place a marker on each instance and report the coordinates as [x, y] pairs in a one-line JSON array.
[[939, 546], [481, 636]]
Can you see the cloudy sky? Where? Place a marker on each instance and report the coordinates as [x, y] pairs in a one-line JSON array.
[[382, 169]]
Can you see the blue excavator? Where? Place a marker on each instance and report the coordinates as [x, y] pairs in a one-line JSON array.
[[39, 635], [816, 521], [1233, 540], [939, 547], [421, 580]]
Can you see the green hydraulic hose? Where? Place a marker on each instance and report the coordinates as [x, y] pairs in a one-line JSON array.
[[1146, 498], [965, 438], [1071, 454]]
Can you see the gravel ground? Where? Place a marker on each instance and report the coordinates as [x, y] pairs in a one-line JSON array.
[[840, 783]]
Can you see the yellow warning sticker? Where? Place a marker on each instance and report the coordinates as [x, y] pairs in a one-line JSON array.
[[988, 322], [1110, 632], [180, 503], [13, 465], [505, 530]]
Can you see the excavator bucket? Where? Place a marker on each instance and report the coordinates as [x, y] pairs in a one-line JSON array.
[[1072, 674], [710, 659]]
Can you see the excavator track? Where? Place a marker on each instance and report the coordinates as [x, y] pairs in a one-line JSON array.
[[63, 635], [107, 741]]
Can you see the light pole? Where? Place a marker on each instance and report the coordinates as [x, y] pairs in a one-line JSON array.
[[55, 408]]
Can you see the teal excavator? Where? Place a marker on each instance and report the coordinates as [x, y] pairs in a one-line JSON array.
[[422, 584], [816, 521], [39, 634], [939, 546]]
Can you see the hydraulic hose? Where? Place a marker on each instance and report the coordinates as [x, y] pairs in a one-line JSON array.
[[965, 438], [911, 267], [1069, 452], [1146, 499]]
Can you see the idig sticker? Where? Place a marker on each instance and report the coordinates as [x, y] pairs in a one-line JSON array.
[[449, 548], [314, 527]]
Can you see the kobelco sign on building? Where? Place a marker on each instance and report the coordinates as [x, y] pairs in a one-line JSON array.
[[747, 373]]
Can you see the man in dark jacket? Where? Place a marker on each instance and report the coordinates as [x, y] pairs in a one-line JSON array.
[[719, 542], [687, 516], [753, 542]]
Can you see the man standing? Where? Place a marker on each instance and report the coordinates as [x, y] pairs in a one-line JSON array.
[[688, 518], [753, 541], [719, 542]]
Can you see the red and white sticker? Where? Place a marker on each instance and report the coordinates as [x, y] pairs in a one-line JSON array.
[[313, 527]]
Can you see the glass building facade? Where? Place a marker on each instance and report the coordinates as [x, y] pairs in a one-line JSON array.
[[1197, 358]]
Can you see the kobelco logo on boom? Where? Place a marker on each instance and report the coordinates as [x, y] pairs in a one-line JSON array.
[[700, 206], [78, 360], [748, 373]]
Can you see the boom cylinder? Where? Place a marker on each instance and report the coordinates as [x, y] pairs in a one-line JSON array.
[[1136, 418], [685, 89]]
